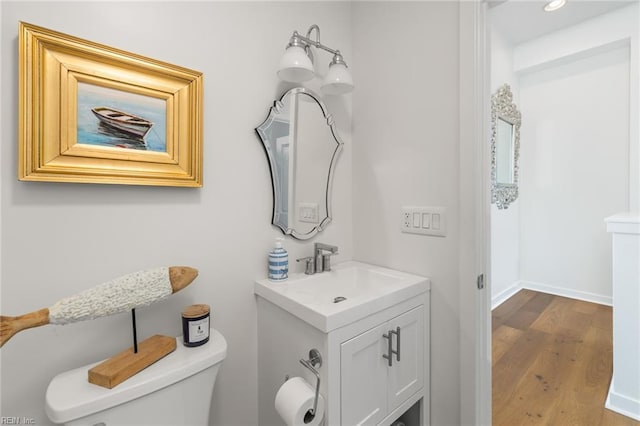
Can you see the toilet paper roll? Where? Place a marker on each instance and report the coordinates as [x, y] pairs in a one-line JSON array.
[[294, 399]]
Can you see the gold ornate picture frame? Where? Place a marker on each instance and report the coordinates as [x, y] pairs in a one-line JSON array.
[[91, 113]]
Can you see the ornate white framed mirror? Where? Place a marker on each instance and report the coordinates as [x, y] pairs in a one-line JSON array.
[[302, 145], [505, 147]]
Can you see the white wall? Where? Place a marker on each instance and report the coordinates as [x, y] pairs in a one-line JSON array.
[[600, 34], [1, 203], [575, 172], [58, 239], [505, 223], [405, 130], [562, 247]]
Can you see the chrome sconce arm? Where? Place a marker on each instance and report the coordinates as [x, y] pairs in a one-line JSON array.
[[297, 63], [297, 40]]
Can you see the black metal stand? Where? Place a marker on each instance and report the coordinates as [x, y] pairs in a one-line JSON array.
[[135, 333]]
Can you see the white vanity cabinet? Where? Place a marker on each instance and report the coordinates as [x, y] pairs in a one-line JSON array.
[[366, 378], [381, 368]]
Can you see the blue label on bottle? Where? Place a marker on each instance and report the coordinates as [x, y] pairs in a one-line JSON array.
[[278, 265]]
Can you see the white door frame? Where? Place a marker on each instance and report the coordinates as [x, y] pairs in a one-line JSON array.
[[474, 201]]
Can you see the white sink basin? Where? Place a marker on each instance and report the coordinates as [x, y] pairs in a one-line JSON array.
[[366, 289]]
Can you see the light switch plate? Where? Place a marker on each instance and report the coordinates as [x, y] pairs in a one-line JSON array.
[[424, 220], [308, 212]]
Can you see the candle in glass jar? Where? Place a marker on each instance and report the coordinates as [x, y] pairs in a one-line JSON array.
[[195, 325]]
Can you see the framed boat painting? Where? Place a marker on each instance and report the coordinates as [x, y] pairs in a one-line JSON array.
[[91, 113]]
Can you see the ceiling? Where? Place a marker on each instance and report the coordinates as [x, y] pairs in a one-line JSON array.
[[521, 20]]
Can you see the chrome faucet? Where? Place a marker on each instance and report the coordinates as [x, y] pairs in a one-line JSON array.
[[320, 261], [323, 261]]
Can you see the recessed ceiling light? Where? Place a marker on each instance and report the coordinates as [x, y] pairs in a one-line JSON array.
[[554, 5]]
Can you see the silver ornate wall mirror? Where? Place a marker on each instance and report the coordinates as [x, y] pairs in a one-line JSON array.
[[505, 147], [302, 145]]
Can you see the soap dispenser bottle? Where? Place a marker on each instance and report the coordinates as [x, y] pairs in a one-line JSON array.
[[278, 262]]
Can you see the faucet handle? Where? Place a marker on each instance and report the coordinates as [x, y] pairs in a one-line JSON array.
[[310, 265]]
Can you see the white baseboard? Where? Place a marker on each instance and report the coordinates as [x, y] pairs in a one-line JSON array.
[[568, 292], [622, 404], [500, 298]]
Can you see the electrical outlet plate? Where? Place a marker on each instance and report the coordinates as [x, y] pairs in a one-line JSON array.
[[406, 219], [424, 220]]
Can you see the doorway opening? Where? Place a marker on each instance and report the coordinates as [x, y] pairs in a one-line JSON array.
[[578, 164]]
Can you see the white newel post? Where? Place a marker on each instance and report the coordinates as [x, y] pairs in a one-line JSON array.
[[624, 391]]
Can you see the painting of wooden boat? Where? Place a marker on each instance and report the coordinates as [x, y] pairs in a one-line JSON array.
[[123, 121]]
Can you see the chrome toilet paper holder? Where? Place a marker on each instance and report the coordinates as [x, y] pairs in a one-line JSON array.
[[315, 359]]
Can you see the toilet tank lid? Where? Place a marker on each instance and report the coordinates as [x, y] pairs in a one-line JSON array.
[[70, 396]]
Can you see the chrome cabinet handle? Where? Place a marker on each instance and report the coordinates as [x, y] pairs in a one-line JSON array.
[[389, 355], [397, 351], [390, 351]]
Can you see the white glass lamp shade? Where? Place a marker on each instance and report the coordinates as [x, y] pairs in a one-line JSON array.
[[295, 65], [338, 80]]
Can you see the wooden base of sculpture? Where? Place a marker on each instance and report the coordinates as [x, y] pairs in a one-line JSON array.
[[119, 368]]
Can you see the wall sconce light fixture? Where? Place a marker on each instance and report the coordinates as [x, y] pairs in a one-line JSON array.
[[296, 64]]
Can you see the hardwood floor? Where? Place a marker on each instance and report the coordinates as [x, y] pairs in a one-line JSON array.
[[552, 362]]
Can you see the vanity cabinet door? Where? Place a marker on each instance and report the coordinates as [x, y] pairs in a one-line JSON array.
[[364, 378], [371, 388], [406, 376]]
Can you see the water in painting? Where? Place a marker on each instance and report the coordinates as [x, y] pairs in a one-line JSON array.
[[115, 118]]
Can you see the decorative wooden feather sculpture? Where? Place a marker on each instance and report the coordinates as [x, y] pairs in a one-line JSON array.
[[119, 295]]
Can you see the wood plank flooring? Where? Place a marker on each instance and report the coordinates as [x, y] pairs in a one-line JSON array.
[[552, 362]]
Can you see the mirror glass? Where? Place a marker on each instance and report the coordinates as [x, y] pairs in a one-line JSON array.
[[302, 146], [505, 147], [504, 151]]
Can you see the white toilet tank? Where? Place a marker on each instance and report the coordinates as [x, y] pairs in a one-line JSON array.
[[176, 390]]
